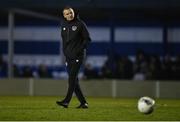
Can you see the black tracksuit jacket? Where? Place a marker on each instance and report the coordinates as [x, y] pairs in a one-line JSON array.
[[75, 38]]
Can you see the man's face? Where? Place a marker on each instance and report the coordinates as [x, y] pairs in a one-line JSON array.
[[68, 14]]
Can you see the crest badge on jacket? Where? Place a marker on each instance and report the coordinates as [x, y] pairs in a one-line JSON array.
[[74, 28]]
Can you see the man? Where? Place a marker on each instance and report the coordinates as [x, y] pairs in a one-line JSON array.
[[75, 40]]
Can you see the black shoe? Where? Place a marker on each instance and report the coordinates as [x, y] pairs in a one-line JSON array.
[[61, 103], [84, 105]]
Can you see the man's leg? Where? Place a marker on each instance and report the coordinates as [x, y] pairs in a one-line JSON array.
[[73, 68], [79, 93], [80, 96], [64, 102]]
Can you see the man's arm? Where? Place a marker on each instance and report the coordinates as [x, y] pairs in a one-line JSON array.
[[85, 35]]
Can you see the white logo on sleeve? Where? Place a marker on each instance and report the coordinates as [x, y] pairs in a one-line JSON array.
[[64, 28]]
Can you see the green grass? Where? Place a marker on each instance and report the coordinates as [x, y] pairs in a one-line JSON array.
[[44, 108]]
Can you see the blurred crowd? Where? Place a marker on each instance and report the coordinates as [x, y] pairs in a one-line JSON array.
[[25, 71], [143, 67]]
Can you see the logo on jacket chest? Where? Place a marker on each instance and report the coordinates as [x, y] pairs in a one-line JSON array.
[[74, 28]]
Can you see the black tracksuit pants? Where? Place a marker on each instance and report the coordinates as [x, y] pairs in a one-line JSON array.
[[73, 67]]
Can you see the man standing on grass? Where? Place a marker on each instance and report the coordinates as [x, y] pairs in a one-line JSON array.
[[75, 37]]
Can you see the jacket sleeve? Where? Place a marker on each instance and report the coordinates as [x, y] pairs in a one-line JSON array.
[[61, 29], [85, 35]]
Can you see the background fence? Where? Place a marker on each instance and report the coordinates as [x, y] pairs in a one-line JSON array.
[[95, 88]]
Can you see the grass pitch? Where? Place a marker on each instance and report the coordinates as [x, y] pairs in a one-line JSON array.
[[24, 108]]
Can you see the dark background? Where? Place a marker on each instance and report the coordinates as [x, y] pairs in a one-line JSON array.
[[164, 11]]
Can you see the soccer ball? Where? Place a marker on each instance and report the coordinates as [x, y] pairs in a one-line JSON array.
[[146, 105]]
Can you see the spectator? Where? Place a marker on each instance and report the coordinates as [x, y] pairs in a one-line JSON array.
[[176, 68], [167, 65], [27, 72], [16, 71], [3, 67], [106, 71], [127, 69], [89, 72], [154, 68], [109, 69], [139, 75], [124, 68], [140, 65], [43, 72]]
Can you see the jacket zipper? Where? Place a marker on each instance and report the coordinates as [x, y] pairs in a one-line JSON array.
[[67, 33]]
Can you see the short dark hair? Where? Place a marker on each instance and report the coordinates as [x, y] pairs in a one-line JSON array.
[[67, 7], [70, 7]]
